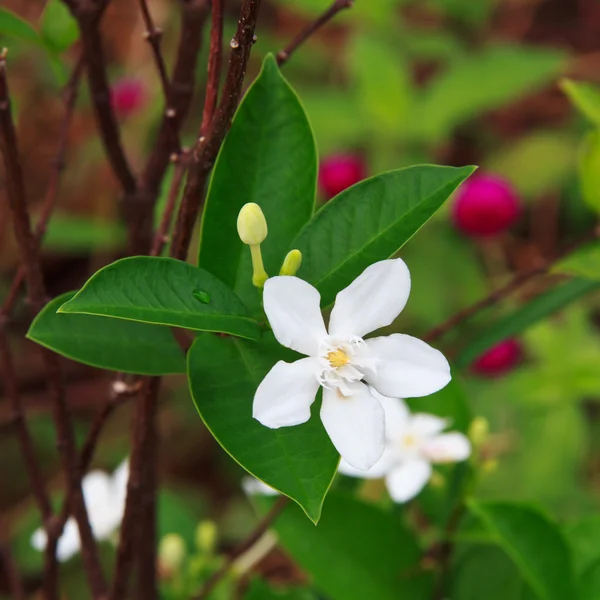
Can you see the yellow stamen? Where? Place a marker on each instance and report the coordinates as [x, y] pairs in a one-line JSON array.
[[337, 358], [410, 440]]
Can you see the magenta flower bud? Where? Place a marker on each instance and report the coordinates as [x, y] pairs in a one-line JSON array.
[[485, 205], [500, 359], [128, 96], [339, 171]]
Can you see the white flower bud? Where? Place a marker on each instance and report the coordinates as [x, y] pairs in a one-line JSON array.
[[206, 536], [251, 224], [171, 552]]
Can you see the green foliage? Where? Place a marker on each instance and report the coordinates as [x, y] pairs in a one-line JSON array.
[[58, 28], [518, 321], [534, 544], [259, 590], [370, 221], [584, 262], [298, 461], [13, 26], [271, 150], [583, 536], [163, 291], [481, 82], [80, 235], [585, 97], [589, 170], [107, 343]]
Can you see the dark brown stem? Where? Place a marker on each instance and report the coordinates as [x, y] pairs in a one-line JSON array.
[[503, 292], [252, 538], [215, 61], [153, 36], [206, 150], [337, 6], [143, 434], [11, 571], [37, 295]]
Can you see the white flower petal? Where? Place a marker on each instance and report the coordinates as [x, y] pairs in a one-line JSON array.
[[285, 395], [355, 424], [373, 300], [448, 447], [292, 307], [425, 425], [69, 542], [397, 415], [120, 478], [406, 367], [377, 471], [102, 502], [256, 487], [406, 480]]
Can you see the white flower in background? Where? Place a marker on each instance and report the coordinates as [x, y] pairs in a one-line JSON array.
[[342, 361], [256, 487], [413, 443], [104, 497]]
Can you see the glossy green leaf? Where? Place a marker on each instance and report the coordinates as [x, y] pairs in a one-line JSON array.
[[584, 262], [585, 97], [357, 551], [534, 544], [483, 81], [269, 157], [518, 321], [298, 461], [259, 590], [583, 536], [589, 584], [13, 26], [589, 170], [58, 27], [163, 291], [369, 222], [107, 343]]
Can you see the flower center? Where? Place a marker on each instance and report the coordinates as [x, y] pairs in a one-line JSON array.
[[409, 440], [337, 358]]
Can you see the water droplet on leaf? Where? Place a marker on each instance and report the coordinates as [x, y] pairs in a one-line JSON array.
[[201, 295]]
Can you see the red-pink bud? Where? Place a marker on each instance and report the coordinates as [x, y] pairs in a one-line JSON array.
[[128, 96], [500, 359], [485, 205], [339, 171]]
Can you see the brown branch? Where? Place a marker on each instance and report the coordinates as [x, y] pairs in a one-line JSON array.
[[215, 60], [143, 435], [153, 36], [206, 150], [255, 535], [37, 295], [337, 6], [506, 290], [15, 583]]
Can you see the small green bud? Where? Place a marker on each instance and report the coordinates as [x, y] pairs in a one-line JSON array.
[[251, 224], [291, 263], [479, 431], [172, 552], [206, 536]]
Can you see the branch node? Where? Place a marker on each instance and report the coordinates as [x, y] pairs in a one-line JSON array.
[[170, 113], [234, 43]]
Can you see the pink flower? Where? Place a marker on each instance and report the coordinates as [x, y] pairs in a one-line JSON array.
[[486, 205], [128, 95], [339, 171], [500, 359]]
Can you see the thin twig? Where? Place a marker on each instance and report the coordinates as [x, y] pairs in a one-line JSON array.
[[254, 536], [206, 149], [37, 295], [215, 60], [506, 290], [337, 6], [153, 36], [15, 583]]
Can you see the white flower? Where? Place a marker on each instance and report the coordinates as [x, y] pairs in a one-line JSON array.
[[256, 487], [413, 443], [104, 497], [342, 361]]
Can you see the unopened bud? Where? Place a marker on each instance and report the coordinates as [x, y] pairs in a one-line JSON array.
[[489, 466], [479, 431], [171, 552], [437, 480], [206, 536], [251, 224], [291, 263]]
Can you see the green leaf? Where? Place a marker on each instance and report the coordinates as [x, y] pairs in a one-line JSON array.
[[534, 544], [58, 27], [518, 321], [163, 291], [583, 536], [357, 551], [585, 97], [13, 26], [589, 585], [269, 157], [482, 81], [589, 170], [371, 221], [107, 343], [81, 235], [298, 461], [584, 262], [259, 590]]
